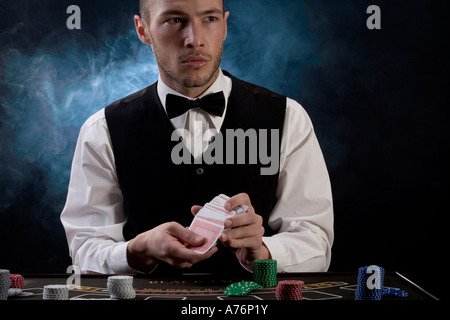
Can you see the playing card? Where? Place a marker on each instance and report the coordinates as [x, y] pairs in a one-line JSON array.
[[209, 221], [209, 230]]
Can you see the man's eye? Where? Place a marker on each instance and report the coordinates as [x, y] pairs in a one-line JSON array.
[[174, 20], [210, 19]]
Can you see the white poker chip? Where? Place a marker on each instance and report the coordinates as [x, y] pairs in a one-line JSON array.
[[121, 287], [5, 283], [56, 292], [14, 292]]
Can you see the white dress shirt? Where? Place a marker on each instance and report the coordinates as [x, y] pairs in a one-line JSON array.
[[93, 216]]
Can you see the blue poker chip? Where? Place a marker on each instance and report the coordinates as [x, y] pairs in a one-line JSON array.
[[370, 283], [395, 292]]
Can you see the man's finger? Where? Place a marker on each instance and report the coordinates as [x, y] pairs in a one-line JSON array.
[[195, 210], [244, 232], [185, 235], [244, 219], [238, 200]]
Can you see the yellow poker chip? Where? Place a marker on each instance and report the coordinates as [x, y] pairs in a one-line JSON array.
[[241, 288]]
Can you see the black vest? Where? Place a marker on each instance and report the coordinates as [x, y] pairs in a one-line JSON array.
[[156, 191]]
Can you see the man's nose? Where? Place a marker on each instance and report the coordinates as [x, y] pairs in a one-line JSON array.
[[194, 37]]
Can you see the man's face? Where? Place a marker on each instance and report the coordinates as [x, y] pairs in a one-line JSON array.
[[187, 40]]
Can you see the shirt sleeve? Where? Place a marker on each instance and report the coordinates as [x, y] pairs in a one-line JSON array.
[[93, 215], [303, 215]]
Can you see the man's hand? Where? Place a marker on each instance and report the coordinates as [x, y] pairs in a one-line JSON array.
[[165, 243], [245, 235]]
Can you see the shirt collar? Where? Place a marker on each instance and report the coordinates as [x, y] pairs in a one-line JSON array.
[[222, 83]]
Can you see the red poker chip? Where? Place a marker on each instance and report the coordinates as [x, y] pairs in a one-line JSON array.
[[289, 290], [17, 281]]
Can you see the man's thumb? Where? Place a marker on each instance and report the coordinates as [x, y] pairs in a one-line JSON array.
[[190, 238]]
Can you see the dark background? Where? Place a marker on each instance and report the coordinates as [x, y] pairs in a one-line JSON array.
[[378, 100]]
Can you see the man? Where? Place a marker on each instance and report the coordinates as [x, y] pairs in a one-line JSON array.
[[129, 204]]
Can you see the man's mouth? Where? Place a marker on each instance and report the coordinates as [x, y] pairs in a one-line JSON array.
[[195, 61]]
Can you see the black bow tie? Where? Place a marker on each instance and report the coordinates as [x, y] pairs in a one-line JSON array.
[[213, 103]]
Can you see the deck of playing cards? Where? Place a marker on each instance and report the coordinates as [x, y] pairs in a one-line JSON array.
[[209, 221]]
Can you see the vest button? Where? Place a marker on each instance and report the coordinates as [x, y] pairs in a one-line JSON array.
[[200, 171]]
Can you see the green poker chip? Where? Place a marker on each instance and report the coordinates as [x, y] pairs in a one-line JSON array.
[[241, 288], [265, 272]]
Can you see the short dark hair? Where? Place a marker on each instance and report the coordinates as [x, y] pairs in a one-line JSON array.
[[143, 9], [145, 14]]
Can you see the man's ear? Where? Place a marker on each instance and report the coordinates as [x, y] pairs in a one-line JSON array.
[[141, 30], [226, 15]]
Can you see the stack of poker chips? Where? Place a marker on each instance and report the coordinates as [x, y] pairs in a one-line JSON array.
[[289, 290], [17, 281], [5, 283], [265, 272], [370, 285], [121, 287], [56, 292], [241, 288]]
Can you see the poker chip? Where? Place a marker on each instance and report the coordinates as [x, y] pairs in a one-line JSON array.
[[370, 283], [265, 272], [5, 283], [289, 290], [56, 292], [241, 288], [394, 292], [14, 292], [17, 281], [121, 287]]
